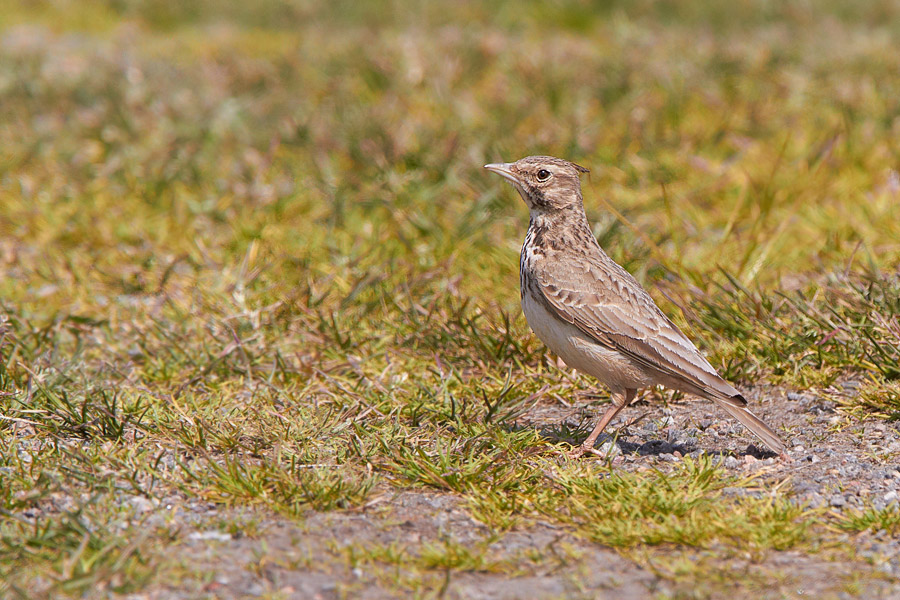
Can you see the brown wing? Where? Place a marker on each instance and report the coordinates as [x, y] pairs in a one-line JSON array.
[[608, 304]]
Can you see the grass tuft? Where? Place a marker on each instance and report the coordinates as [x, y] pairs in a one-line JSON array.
[[689, 506], [886, 520]]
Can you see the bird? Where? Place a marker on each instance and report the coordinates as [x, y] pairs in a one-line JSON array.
[[594, 314]]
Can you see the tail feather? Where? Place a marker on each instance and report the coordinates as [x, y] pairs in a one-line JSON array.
[[754, 424]]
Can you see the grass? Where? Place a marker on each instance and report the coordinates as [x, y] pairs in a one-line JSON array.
[[875, 396], [886, 520], [844, 324], [248, 256], [73, 550], [686, 507]]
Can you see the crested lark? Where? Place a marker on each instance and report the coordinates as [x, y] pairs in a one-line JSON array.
[[593, 314]]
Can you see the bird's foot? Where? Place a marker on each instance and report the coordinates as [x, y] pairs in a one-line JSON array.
[[576, 453], [582, 450]]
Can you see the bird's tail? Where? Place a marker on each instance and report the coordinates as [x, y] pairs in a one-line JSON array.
[[754, 424]]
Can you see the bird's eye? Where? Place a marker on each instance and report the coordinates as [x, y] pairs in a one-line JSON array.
[[543, 175]]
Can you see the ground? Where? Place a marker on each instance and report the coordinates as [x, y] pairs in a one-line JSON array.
[[836, 470], [259, 321]]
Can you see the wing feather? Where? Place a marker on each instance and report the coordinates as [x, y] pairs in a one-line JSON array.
[[606, 303]]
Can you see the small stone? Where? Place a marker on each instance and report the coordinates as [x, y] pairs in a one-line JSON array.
[[609, 449], [217, 536], [140, 504], [838, 500], [732, 463], [891, 496]]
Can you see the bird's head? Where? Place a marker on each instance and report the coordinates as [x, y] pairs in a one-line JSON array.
[[546, 184]]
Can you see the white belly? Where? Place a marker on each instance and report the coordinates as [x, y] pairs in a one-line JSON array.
[[578, 351]]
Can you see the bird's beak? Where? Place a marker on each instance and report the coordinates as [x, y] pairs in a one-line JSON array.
[[505, 171]]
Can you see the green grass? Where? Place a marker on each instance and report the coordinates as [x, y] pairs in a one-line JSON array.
[[248, 256], [885, 519], [876, 396], [686, 507], [842, 325], [74, 550]]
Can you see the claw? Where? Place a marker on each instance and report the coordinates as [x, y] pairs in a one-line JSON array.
[[582, 450], [577, 452]]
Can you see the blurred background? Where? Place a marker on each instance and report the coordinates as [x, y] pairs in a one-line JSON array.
[[324, 153]]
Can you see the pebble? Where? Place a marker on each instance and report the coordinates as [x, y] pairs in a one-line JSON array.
[[140, 504], [838, 500], [255, 589], [609, 449], [732, 463], [216, 536], [815, 500], [891, 496]]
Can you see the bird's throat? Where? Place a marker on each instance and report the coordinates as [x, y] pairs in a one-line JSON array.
[[560, 229]]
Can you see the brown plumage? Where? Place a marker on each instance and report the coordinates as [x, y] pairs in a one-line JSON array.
[[592, 313]]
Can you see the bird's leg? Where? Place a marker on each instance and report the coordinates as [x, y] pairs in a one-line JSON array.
[[611, 412]]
